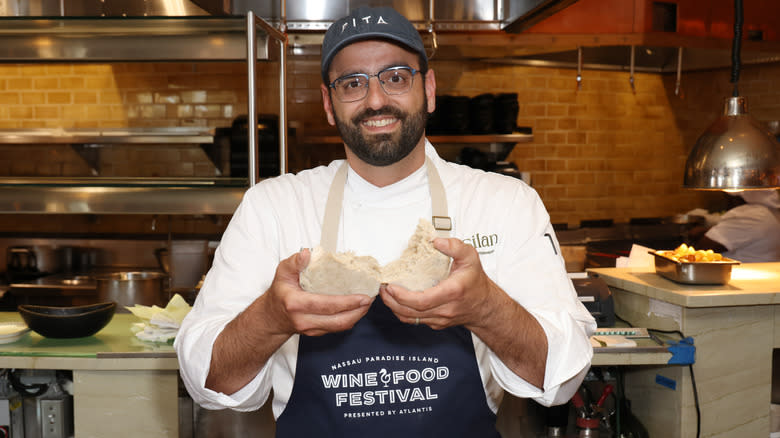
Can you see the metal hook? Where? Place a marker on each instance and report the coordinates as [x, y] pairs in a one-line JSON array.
[[579, 68], [679, 71], [431, 30], [434, 41], [631, 77]]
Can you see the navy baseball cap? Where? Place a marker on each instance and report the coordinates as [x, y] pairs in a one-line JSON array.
[[368, 24]]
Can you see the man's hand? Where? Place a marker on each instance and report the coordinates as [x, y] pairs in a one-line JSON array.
[[249, 340], [294, 310], [466, 297], [469, 298]]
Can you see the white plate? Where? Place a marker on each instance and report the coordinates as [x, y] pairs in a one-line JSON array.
[[12, 331]]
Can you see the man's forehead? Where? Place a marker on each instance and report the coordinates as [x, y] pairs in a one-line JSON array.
[[370, 55]]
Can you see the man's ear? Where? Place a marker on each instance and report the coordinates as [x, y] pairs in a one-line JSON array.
[[430, 90], [327, 104]]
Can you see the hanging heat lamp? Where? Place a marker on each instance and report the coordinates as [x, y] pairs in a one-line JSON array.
[[736, 152]]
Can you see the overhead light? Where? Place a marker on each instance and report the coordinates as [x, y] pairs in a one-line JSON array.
[[736, 152]]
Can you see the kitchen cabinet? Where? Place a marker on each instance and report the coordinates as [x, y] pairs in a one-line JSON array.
[[121, 385], [733, 328], [101, 39]]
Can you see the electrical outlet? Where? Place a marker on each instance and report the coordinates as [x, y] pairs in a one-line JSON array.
[[55, 418]]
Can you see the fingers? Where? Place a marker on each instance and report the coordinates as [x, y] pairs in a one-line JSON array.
[[298, 311], [317, 325], [320, 304], [417, 308], [315, 314], [456, 300], [290, 268], [453, 247]]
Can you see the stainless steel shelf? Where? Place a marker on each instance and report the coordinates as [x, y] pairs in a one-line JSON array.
[[101, 197], [108, 136], [129, 39], [99, 39]]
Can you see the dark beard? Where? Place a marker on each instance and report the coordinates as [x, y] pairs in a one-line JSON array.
[[384, 149]]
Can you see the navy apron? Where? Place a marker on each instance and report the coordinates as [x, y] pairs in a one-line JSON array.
[[385, 378]]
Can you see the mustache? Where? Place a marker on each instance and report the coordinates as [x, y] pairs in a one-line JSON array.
[[384, 111]]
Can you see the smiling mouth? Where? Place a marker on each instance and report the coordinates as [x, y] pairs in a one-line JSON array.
[[379, 123]]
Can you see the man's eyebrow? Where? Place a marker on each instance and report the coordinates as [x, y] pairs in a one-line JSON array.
[[384, 67]]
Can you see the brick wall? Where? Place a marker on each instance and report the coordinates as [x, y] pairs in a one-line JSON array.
[[604, 151]]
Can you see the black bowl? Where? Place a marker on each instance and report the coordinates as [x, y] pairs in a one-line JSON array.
[[67, 322]]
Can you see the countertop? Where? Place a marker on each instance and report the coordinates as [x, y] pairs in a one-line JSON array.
[[751, 284], [113, 347], [116, 347]]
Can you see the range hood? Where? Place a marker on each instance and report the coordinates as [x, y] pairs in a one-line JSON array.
[[302, 14], [123, 30], [664, 36], [590, 34], [648, 35]]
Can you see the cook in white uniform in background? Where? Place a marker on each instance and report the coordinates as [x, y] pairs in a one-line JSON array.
[[405, 362], [749, 232]]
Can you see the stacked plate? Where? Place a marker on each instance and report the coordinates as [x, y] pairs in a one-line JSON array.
[[12, 331]]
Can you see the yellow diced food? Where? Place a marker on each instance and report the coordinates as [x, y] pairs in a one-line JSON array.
[[685, 253]]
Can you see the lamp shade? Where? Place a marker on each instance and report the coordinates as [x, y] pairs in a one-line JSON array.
[[735, 153]]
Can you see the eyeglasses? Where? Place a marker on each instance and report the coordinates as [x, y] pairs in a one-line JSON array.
[[393, 80]]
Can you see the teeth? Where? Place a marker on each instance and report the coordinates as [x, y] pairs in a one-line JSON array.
[[379, 123]]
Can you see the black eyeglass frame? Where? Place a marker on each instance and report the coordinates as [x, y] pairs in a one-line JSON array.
[[368, 77]]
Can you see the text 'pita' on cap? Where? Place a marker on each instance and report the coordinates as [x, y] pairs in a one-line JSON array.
[[366, 24]]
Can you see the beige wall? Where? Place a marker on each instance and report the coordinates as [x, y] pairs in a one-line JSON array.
[[604, 151]]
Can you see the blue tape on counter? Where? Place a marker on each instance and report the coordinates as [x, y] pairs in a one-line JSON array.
[[683, 352], [665, 381]]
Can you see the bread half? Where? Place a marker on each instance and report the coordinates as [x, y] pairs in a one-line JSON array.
[[420, 266]]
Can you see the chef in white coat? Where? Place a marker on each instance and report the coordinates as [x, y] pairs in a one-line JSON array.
[[750, 231], [434, 362]]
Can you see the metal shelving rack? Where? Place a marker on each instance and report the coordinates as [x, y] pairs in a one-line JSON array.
[[107, 39]]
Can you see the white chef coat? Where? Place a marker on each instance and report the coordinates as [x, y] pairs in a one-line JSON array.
[[750, 233], [501, 216]]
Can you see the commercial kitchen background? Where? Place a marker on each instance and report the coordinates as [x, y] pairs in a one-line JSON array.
[[601, 152]]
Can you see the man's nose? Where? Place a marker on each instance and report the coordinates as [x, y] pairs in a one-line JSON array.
[[376, 97]]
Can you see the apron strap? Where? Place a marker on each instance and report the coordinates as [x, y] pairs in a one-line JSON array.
[[440, 218], [330, 223]]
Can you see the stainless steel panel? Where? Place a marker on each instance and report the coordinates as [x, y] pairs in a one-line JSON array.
[[120, 200], [319, 14], [128, 39], [151, 8], [329, 10], [473, 10], [174, 135], [518, 15], [99, 8]]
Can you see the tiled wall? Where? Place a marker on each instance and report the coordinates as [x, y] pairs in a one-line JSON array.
[[604, 151]]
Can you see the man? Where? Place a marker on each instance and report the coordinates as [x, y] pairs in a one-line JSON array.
[[435, 361], [749, 231]]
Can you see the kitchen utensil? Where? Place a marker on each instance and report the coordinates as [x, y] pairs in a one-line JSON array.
[[67, 322], [715, 272], [130, 288], [163, 259], [185, 262], [21, 259], [599, 406]]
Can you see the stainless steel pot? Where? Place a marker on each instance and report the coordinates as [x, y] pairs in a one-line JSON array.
[[130, 288]]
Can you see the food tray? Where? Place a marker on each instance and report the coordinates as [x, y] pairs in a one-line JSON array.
[[718, 272]]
